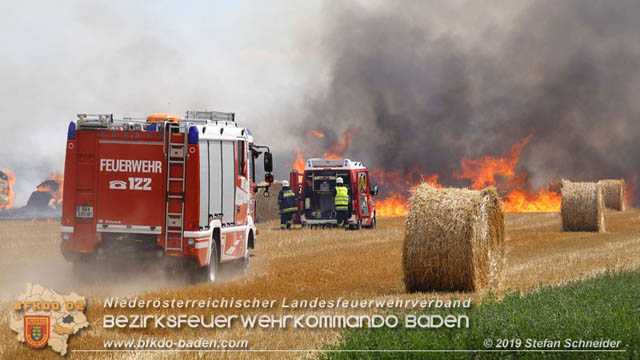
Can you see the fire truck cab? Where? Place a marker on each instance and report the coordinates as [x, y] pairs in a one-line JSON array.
[[161, 187], [316, 192]]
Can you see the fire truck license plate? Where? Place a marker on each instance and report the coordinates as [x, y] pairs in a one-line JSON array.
[[84, 212]]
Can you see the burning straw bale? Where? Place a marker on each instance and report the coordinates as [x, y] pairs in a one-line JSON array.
[[454, 239], [582, 206], [267, 207], [614, 194]]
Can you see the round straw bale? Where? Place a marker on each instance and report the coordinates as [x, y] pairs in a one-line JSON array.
[[614, 194], [582, 206], [454, 239], [267, 207]]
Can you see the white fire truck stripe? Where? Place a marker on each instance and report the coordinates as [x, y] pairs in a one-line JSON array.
[[234, 229], [130, 142], [202, 244], [197, 234], [138, 229]]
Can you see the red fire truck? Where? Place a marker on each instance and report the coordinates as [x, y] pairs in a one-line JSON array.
[[161, 187], [316, 199]]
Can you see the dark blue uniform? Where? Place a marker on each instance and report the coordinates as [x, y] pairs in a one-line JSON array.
[[288, 207]]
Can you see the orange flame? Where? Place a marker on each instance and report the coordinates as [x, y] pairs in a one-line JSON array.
[[523, 201], [299, 163], [337, 149], [56, 193], [482, 172], [6, 190], [394, 205], [335, 152]]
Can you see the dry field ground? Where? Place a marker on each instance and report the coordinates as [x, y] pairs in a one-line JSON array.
[[299, 264]]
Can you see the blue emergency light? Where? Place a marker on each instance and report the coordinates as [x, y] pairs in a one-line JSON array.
[[193, 135], [71, 133]]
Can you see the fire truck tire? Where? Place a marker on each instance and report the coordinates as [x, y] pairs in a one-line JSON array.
[[373, 222], [214, 264], [359, 225], [209, 273], [247, 257]]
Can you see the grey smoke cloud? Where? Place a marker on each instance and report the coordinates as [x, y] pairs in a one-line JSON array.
[[426, 87]]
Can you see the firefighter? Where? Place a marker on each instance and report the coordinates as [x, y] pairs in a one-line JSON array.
[[288, 205], [341, 198]]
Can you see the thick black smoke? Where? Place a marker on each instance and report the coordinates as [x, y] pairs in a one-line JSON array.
[[421, 96]]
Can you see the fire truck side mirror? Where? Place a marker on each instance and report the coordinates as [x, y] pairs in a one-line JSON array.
[[268, 162], [374, 190]]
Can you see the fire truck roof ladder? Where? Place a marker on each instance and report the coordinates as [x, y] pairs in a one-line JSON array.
[[176, 157], [211, 116], [106, 121], [95, 120]]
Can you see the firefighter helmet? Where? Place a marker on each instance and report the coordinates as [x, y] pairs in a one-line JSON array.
[[339, 180], [285, 183]]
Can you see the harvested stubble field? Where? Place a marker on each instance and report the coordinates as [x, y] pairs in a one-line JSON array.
[[300, 264]]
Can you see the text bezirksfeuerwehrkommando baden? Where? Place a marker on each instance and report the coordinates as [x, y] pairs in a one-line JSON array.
[[266, 321], [299, 321], [284, 303]]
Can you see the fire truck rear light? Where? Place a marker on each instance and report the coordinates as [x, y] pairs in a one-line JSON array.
[[71, 132], [192, 225], [193, 135]]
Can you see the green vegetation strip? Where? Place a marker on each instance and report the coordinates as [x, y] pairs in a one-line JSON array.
[[601, 308]]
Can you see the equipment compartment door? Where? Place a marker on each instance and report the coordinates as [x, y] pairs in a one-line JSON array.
[[363, 187], [131, 183], [204, 184], [228, 181], [215, 179]]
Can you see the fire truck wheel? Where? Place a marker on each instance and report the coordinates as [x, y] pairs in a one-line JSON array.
[[245, 259], [212, 268], [359, 225], [209, 273], [373, 222]]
